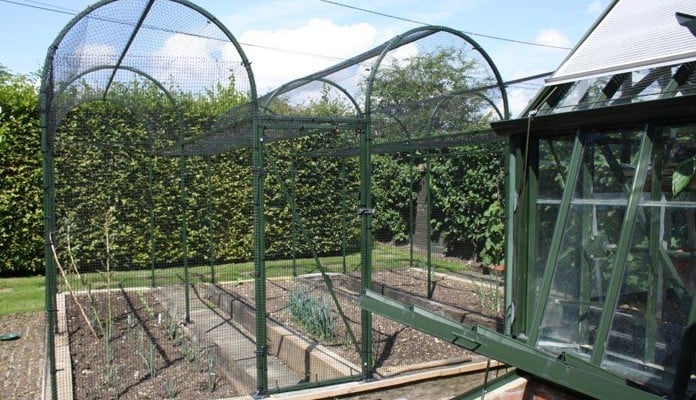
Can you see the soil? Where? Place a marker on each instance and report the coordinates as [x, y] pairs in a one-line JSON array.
[[22, 360], [141, 334], [140, 328], [395, 345]]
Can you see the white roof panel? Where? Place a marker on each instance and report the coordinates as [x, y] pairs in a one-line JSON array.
[[633, 34]]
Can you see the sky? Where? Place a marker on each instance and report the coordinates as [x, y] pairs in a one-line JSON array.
[[305, 36]]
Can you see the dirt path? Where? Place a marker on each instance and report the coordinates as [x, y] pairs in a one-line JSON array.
[[22, 360]]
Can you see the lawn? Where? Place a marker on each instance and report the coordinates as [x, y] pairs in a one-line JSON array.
[[21, 295], [26, 294]]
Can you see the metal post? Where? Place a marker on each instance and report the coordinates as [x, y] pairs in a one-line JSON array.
[[209, 217], [259, 260], [411, 218], [586, 233], [49, 228], [151, 206], [655, 243], [510, 204], [528, 230], [429, 229], [184, 222], [366, 248]]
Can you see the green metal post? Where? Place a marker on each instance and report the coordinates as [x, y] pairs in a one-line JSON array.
[[411, 219], [586, 231], [366, 212], [293, 226], [510, 205], [184, 222], [151, 206], [259, 260], [655, 242], [209, 217], [429, 231], [528, 229], [49, 228], [623, 247], [344, 211], [554, 248]]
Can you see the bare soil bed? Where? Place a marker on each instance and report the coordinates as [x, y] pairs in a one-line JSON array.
[[22, 360], [147, 356], [395, 346]]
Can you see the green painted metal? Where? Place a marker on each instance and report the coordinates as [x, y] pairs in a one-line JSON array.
[[412, 221], [49, 227], [151, 212], [566, 370], [586, 238], [527, 276], [134, 33], [510, 205], [655, 275], [344, 213], [429, 228], [365, 209], [312, 385], [623, 247], [184, 224], [517, 206], [258, 156], [209, 217], [554, 249]]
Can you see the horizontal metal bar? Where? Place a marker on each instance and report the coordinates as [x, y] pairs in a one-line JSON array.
[[575, 374]]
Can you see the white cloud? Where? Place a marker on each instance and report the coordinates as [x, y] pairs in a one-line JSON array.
[[594, 8], [303, 49], [552, 37], [194, 62]]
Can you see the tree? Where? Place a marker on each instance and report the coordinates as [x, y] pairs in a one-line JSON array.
[[431, 95]]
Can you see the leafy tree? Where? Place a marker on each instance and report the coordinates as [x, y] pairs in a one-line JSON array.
[[427, 96]]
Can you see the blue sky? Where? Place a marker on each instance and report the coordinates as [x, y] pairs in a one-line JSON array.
[[311, 34]]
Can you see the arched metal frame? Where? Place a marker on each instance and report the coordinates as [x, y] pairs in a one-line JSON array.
[[49, 123], [260, 119]]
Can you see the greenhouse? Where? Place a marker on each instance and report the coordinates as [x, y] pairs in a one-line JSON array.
[[600, 296]]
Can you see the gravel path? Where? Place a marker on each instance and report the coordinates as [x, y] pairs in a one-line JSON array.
[[22, 360]]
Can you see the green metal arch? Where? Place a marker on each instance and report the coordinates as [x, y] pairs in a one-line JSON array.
[[301, 81], [161, 87], [47, 72], [399, 40]]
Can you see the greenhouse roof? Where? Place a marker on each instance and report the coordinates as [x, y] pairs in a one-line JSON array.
[[638, 51], [632, 35]]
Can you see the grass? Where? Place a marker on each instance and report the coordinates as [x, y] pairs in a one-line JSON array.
[[21, 295]]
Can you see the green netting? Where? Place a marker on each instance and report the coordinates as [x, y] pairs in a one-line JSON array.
[[169, 185]]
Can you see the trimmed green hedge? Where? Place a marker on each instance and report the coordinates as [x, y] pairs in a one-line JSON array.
[[21, 229], [112, 169]]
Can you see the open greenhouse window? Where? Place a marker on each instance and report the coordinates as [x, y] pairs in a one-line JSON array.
[[618, 285]]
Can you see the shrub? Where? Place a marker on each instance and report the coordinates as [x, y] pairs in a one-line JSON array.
[[313, 315]]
